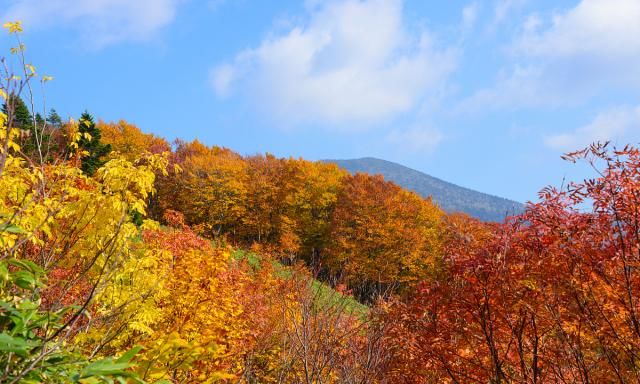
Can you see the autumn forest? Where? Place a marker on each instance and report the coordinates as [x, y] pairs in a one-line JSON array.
[[127, 258]]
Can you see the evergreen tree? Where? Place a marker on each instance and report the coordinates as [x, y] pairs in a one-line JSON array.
[[39, 121], [96, 150], [21, 115], [54, 119], [37, 137], [22, 119]]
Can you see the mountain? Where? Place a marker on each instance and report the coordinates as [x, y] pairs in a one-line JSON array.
[[450, 197]]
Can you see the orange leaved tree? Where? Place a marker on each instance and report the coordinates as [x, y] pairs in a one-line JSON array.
[[382, 236]]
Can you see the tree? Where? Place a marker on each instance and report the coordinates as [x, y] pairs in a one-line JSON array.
[[90, 142], [263, 203], [17, 112], [39, 120], [129, 141], [54, 119], [325, 337], [550, 296], [209, 190], [31, 130], [476, 321], [383, 237], [310, 194], [53, 217]]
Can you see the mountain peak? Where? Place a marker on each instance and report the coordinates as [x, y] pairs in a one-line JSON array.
[[449, 196]]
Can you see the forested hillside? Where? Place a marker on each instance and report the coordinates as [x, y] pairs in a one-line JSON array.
[[126, 258], [450, 197]]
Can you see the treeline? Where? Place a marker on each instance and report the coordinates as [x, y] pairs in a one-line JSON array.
[[357, 230]]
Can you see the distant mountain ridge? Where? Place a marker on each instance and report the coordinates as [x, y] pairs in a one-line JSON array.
[[450, 197]]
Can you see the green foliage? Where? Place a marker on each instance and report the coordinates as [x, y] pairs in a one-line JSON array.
[[18, 112], [90, 142], [39, 120], [36, 138], [54, 119], [137, 218], [29, 352], [20, 117]]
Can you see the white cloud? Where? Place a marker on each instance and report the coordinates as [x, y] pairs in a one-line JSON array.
[[469, 16], [222, 77], [570, 57], [614, 124], [416, 139], [592, 28], [100, 22], [353, 62]]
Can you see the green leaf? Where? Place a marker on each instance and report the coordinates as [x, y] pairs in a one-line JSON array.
[[12, 228], [24, 279], [28, 266], [4, 273], [104, 367], [127, 356], [16, 345]]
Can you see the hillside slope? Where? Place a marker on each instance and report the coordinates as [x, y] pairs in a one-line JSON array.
[[451, 197]]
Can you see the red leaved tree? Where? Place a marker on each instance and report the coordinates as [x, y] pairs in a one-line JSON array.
[[550, 296]]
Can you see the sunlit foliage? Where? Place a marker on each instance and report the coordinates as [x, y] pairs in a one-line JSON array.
[[260, 269], [551, 296]]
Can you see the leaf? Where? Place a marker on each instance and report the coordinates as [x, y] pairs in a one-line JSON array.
[[4, 272], [12, 228], [27, 265], [127, 356], [104, 367], [16, 345], [24, 279], [13, 27]]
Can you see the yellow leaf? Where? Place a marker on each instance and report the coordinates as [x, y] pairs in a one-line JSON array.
[[13, 27]]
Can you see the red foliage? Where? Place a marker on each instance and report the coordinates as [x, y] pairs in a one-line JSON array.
[[174, 218], [551, 296], [66, 286]]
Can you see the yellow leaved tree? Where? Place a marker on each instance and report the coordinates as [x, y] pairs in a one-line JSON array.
[[65, 242]]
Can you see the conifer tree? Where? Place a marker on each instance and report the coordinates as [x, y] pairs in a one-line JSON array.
[[22, 119], [35, 143], [96, 150], [39, 120], [54, 119], [21, 116]]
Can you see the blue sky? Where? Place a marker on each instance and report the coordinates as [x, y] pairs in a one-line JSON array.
[[486, 94]]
